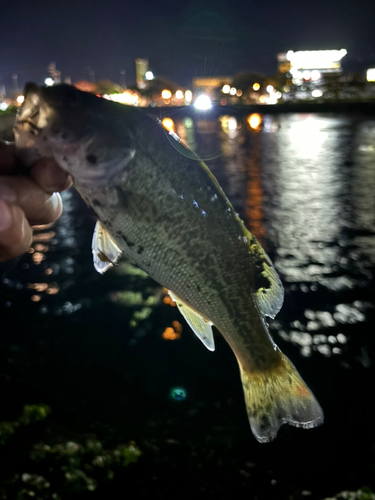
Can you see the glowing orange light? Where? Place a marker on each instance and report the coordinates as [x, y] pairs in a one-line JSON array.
[[39, 287], [254, 120], [168, 124], [256, 86], [48, 271], [166, 94], [36, 298], [53, 289], [170, 334], [262, 99], [177, 327]]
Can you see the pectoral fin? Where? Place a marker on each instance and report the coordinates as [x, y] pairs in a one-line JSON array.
[[201, 327], [104, 249]]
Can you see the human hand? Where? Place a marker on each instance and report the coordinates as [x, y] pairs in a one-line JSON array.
[[27, 200]]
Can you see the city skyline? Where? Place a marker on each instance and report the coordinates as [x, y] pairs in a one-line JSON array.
[[181, 41]]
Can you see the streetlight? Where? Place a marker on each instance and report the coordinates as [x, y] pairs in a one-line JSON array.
[[166, 94]]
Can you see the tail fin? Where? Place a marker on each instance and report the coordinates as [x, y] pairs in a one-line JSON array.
[[278, 396]]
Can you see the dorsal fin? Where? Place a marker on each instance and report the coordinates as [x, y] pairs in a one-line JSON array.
[[104, 249], [270, 292], [201, 327]]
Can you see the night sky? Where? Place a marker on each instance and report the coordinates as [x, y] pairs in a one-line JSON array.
[[181, 39]]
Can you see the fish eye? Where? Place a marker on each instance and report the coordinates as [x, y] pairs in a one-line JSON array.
[[92, 159]]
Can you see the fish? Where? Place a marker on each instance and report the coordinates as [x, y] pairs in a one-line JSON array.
[[158, 204]]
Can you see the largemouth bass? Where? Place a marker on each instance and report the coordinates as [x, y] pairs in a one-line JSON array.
[[167, 212]]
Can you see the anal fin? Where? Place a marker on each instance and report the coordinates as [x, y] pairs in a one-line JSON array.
[[201, 327], [104, 249]]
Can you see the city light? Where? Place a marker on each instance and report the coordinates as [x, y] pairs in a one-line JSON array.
[[188, 96], [3, 106], [317, 93], [370, 75], [315, 75], [149, 75], [232, 123], [225, 89], [239, 93], [233, 91], [306, 75], [166, 94], [49, 82], [254, 120], [203, 102], [179, 94], [168, 124], [127, 97], [256, 86], [316, 59], [20, 99], [269, 88]]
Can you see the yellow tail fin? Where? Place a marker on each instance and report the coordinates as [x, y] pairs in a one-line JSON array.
[[278, 396]]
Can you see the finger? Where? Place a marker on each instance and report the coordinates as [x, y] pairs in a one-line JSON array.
[[15, 232], [39, 207], [7, 157], [49, 176]]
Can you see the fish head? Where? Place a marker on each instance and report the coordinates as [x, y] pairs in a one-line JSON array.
[[76, 129]]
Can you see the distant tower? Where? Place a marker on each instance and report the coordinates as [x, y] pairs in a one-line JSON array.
[[15, 81], [123, 78], [141, 68], [54, 73]]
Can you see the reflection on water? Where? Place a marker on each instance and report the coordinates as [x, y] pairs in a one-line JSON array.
[[303, 184]]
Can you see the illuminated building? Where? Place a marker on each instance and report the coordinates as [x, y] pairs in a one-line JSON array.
[[208, 85], [302, 71], [370, 75], [211, 82], [309, 64], [325, 61]]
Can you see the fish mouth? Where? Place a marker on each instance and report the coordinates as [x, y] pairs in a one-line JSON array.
[[29, 112]]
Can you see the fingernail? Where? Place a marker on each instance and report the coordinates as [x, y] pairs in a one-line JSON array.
[[5, 216], [7, 193]]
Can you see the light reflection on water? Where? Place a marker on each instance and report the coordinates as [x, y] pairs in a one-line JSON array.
[[304, 185]]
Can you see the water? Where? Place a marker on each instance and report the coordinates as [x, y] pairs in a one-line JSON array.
[[111, 355]]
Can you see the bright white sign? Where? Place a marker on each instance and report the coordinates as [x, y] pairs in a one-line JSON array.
[[316, 59]]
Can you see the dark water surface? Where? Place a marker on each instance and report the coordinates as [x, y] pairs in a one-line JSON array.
[[99, 351]]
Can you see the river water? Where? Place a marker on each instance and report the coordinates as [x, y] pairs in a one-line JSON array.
[[111, 351]]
